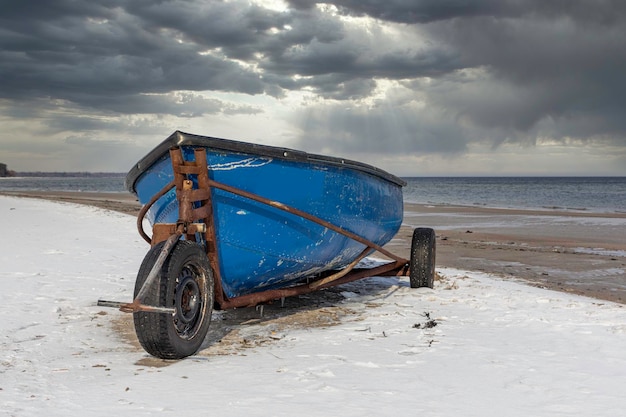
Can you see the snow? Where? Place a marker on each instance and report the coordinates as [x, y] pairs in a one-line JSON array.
[[497, 347]]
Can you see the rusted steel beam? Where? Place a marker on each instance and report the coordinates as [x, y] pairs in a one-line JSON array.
[[250, 300], [144, 210], [135, 307], [391, 269], [156, 268], [137, 303], [319, 283], [161, 231], [205, 213], [185, 204], [386, 270]]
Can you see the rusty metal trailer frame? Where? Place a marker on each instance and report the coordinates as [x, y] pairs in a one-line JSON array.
[[196, 219]]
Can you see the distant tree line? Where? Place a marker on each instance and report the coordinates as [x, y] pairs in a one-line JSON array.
[[5, 172], [70, 174]]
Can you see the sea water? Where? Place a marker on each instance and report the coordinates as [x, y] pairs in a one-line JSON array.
[[594, 194], [112, 183]]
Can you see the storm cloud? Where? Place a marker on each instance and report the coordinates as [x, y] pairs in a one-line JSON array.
[[360, 77]]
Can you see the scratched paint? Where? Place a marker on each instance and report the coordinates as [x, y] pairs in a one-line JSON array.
[[244, 163]]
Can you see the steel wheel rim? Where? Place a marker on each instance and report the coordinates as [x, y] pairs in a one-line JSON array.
[[188, 302]]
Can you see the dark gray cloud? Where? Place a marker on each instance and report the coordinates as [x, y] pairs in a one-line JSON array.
[[113, 47], [76, 56], [103, 54], [558, 60], [487, 70], [427, 11]]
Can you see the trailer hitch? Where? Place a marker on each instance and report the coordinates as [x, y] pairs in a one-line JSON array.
[[136, 305]]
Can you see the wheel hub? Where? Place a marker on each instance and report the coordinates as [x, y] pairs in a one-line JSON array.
[[187, 299]]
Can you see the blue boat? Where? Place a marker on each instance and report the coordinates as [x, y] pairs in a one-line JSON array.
[[262, 247], [237, 224]]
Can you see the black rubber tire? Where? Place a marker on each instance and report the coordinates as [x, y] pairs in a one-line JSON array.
[[423, 250], [176, 336]]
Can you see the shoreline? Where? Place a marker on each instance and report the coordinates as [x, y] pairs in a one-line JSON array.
[[547, 211], [569, 251], [122, 202], [580, 253]]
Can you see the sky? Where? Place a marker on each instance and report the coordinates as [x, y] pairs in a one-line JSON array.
[[416, 87]]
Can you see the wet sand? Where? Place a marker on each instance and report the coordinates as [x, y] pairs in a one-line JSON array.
[[122, 202], [578, 252], [572, 251]]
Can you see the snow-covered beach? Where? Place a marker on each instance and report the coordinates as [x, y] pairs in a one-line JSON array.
[[475, 345]]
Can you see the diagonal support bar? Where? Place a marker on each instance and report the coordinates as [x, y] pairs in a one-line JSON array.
[[305, 215], [137, 305]]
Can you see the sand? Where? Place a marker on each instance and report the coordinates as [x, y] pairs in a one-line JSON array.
[[578, 252], [122, 202], [573, 251]]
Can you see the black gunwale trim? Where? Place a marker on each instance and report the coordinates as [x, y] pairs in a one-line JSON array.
[[179, 138]]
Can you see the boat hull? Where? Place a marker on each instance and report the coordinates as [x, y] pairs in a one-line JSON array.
[[261, 247]]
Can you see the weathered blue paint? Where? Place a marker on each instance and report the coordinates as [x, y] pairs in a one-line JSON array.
[[261, 247]]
